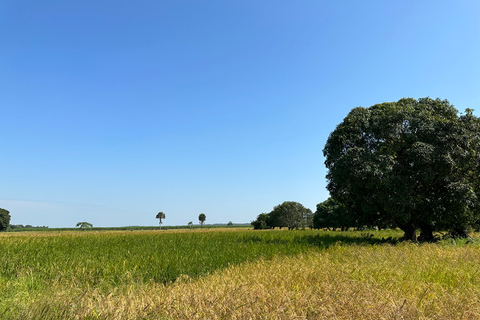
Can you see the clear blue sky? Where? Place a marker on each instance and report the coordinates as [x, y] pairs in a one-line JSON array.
[[112, 111]]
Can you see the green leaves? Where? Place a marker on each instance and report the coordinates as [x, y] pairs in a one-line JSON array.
[[160, 216], [289, 214], [4, 219], [409, 161], [201, 218]]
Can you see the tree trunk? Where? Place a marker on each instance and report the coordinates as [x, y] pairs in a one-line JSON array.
[[409, 229], [459, 232], [426, 232]]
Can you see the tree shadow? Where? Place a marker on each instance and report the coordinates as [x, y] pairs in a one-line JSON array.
[[325, 240]]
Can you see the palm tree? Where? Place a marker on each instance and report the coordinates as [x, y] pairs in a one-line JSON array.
[[202, 217], [160, 216]]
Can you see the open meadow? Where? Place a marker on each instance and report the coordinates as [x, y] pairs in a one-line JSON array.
[[236, 274]]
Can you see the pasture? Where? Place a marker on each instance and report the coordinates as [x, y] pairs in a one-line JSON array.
[[235, 274]]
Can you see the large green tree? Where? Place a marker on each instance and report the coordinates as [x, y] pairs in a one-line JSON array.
[[4, 219], [412, 162], [332, 214], [290, 214]]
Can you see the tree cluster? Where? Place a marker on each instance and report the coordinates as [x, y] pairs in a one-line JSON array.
[[413, 163], [289, 214]]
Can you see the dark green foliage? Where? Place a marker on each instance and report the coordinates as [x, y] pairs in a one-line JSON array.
[[160, 216], [28, 227], [413, 162], [331, 214], [289, 214], [4, 219], [262, 222], [201, 218]]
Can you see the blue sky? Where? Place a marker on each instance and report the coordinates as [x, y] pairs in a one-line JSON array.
[[115, 110]]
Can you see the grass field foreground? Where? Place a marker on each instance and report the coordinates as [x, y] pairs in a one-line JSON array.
[[288, 275]]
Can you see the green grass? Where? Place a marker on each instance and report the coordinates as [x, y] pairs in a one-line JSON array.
[[86, 259], [104, 260], [37, 265]]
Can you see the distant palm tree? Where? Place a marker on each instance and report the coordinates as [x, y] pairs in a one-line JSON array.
[[202, 217], [160, 216]]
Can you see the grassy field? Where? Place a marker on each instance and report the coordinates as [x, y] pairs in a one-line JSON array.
[[133, 228], [235, 274]]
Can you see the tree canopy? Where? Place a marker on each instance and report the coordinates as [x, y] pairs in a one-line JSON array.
[[160, 216], [332, 214], [262, 222], [4, 219], [201, 218], [84, 225], [412, 162], [289, 214]]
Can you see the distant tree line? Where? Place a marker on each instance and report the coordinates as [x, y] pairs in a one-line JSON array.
[[27, 226]]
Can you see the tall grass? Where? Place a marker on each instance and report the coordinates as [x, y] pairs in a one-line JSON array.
[[241, 274], [103, 260]]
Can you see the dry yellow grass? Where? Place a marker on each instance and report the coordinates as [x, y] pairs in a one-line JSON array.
[[406, 281]]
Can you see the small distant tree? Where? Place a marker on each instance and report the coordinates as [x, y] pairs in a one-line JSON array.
[[160, 216], [84, 225], [230, 223], [4, 219], [190, 224], [202, 217]]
